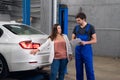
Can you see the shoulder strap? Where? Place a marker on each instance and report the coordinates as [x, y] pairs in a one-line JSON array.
[[77, 29]]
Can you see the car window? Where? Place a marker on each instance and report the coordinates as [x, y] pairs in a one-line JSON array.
[[22, 29], [1, 32]]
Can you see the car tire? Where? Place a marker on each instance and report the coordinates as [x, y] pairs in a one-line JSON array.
[[3, 68]]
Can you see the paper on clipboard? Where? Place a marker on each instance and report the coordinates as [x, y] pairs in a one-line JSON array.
[[75, 41]]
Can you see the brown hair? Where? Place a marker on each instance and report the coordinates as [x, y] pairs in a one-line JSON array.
[[54, 32], [81, 15]]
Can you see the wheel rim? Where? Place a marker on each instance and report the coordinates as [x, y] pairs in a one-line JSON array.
[[1, 66]]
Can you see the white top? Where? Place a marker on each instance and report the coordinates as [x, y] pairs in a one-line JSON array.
[[50, 43]]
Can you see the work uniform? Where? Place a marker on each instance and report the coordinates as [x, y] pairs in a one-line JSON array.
[[83, 53]]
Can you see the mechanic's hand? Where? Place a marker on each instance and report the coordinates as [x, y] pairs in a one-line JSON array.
[[83, 42]]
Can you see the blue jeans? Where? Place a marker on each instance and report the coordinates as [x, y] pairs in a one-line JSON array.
[[58, 66]]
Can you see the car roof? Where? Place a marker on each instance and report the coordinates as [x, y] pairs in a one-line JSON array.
[[8, 22]]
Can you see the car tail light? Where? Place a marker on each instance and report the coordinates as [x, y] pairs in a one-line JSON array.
[[29, 45]]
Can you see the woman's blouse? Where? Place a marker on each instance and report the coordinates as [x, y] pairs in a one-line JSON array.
[[60, 49]]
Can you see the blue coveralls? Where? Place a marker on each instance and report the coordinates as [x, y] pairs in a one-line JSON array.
[[84, 55]]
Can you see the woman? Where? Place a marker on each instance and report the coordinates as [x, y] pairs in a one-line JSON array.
[[60, 52]]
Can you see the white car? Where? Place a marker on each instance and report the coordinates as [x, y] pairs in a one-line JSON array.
[[16, 42]]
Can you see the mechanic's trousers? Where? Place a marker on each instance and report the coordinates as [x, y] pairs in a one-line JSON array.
[[84, 57]]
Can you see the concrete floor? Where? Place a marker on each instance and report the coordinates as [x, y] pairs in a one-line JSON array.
[[106, 68]]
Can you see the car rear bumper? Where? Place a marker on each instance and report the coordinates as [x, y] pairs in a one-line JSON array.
[[30, 62], [25, 66]]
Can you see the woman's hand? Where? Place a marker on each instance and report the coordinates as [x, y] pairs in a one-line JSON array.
[[70, 57], [34, 51]]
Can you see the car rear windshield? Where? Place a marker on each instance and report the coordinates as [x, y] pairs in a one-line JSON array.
[[22, 29]]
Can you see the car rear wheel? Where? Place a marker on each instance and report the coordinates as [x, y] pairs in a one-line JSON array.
[[3, 68]]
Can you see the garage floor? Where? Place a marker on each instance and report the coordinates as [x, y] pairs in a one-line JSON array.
[[106, 68]]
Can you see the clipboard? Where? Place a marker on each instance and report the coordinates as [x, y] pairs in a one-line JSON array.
[[75, 42]]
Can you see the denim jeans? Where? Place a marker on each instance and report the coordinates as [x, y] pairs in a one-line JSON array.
[[58, 66]]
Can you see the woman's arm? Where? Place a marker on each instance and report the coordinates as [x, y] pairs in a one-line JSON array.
[[69, 49], [34, 51], [68, 44], [44, 45]]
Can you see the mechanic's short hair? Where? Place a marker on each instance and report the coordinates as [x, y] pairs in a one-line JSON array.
[[81, 15]]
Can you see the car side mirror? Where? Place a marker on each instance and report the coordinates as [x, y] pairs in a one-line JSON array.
[[1, 32]]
